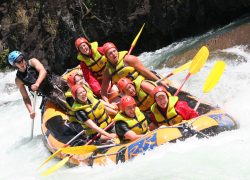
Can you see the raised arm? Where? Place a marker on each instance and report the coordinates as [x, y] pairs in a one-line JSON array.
[[136, 63], [105, 84], [41, 70], [133, 61], [92, 125]]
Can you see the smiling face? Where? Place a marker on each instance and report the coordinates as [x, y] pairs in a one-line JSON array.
[[81, 94], [112, 55], [84, 49], [161, 99], [130, 90], [130, 111]]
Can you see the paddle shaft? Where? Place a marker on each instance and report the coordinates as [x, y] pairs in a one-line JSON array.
[[162, 79], [32, 119], [135, 40], [177, 92], [98, 135], [74, 138], [199, 102]]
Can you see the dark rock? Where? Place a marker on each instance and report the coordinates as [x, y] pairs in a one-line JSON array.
[[47, 29]]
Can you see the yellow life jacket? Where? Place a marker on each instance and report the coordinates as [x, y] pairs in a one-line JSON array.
[[94, 111], [96, 63], [71, 114], [69, 97], [120, 70], [144, 100], [171, 117], [139, 124]]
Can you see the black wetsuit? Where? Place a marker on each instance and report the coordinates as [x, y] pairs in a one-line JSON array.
[[52, 87]]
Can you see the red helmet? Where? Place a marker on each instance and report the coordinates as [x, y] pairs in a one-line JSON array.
[[126, 101], [107, 46], [79, 41], [158, 89], [123, 82], [74, 89], [71, 79]]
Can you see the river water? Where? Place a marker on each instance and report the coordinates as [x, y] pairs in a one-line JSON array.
[[225, 156]]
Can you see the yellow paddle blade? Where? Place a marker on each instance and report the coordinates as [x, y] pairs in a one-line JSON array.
[[79, 149], [199, 60], [214, 76], [182, 68], [137, 36], [51, 157], [56, 166]]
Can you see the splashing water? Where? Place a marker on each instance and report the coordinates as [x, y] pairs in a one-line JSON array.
[[222, 157]]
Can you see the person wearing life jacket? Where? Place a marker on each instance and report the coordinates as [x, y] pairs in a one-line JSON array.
[[76, 78], [72, 79], [130, 122], [140, 90], [169, 110], [92, 62], [119, 65], [90, 113], [32, 74]]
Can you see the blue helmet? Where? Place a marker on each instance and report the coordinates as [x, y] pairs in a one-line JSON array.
[[13, 56]]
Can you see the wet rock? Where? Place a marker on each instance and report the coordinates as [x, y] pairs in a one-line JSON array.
[[47, 29]]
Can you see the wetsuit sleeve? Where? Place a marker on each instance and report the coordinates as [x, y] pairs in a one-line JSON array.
[[185, 111], [81, 116], [121, 128], [90, 79]]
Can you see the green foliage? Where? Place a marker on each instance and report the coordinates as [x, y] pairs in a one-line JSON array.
[[3, 58]]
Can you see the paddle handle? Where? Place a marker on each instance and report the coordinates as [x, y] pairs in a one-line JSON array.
[[177, 92], [130, 50], [74, 138], [199, 102], [162, 79], [32, 119], [98, 135]]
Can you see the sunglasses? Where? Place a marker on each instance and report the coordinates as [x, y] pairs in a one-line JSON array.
[[19, 60]]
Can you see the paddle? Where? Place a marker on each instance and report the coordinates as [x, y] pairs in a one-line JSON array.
[[84, 149], [55, 167], [60, 149], [32, 119], [135, 40], [177, 70], [212, 79], [89, 148], [197, 63]]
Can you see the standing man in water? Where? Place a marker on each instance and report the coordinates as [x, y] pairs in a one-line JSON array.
[[32, 74]]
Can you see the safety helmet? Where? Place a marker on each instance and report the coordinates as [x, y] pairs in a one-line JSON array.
[[123, 82], [71, 79], [79, 41], [126, 101], [13, 56], [158, 89], [107, 46]]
